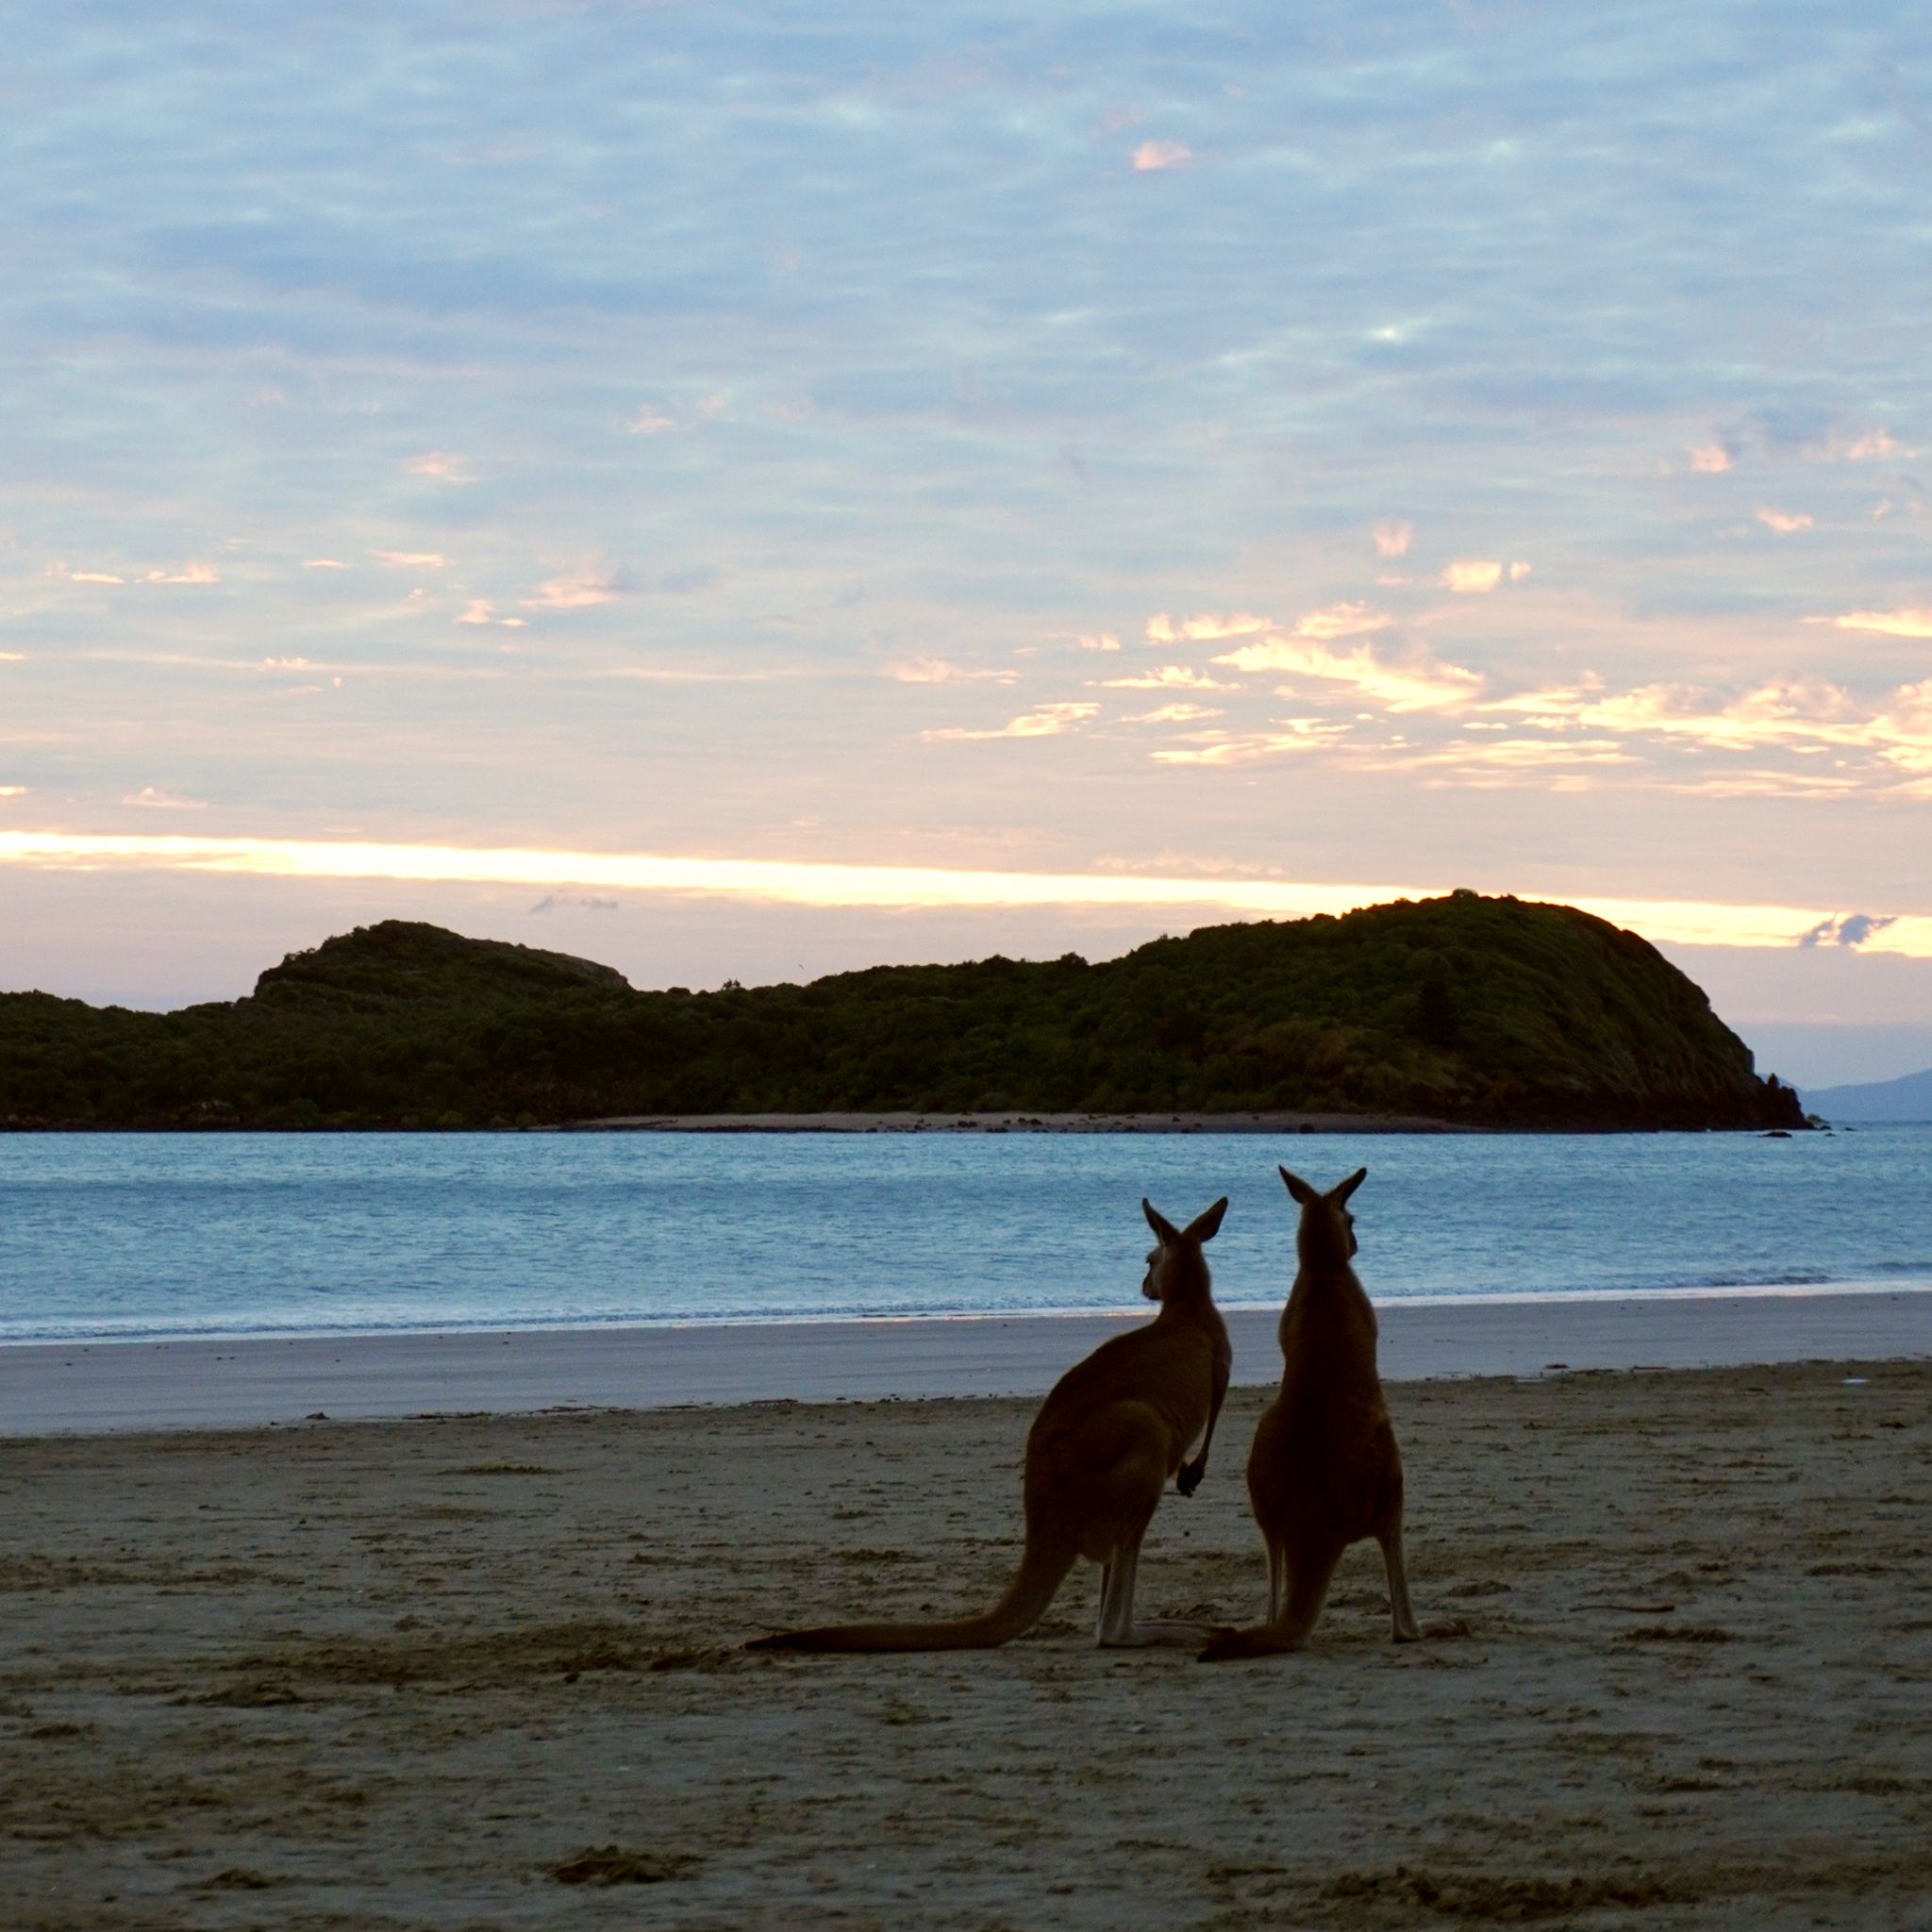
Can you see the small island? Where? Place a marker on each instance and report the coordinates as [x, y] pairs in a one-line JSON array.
[[1463, 1011]]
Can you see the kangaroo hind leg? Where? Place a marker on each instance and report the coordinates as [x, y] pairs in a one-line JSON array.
[[1118, 1630], [1402, 1612]]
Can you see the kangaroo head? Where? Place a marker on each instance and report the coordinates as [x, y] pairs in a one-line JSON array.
[[1174, 1261], [1326, 1234]]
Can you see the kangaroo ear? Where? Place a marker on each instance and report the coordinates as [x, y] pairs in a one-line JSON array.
[[1298, 1187], [1204, 1228], [1339, 1192], [1164, 1230]]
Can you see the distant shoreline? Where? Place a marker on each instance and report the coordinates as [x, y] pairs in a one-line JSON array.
[[938, 1121], [945, 1121], [55, 1388]]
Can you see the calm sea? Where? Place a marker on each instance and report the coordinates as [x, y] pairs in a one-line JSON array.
[[109, 1235]]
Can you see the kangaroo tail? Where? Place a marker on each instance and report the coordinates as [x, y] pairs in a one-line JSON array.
[[1041, 1572], [1257, 1639]]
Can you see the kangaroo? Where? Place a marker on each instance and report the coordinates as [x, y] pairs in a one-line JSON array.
[[1324, 1471], [1107, 1437]]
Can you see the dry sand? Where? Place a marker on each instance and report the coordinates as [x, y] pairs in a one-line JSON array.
[[406, 1674]]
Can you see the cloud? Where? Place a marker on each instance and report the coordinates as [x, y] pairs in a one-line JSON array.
[[1786, 522], [1850, 929], [443, 464], [1678, 921], [658, 419], [188, 574], [1393, 538], [1423, 685], [151, 798], [1892, 624], [1472, 579], [559, 901], [1860, 446], [1154, 156], [1710, 458], [1209, 627], [1802, 716], [88, 577], [1092, 640], [943, 671], [1048, 721], [1341, 621], [1171, 714], [1293, 736], [1167, 677], [478, 610], [574, 590], [325, 563], [12, 790], [411, 559]]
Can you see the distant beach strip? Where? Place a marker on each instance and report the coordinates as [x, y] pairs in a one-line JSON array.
[[54, 1387]]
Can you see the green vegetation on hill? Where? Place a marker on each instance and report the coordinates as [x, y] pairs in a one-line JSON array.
[[1486, 1011]]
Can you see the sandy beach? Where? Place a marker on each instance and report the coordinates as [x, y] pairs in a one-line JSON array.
[[483, 1672]]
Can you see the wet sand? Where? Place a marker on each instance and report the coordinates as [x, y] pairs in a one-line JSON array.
[[53, 1386], [462, 1672]]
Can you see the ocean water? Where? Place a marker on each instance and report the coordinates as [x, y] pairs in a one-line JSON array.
[[107, 1235]]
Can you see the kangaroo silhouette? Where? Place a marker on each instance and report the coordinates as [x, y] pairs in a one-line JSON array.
[[1324, 1471], [1112, 1431]]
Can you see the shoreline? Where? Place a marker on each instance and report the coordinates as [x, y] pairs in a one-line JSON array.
[[1008, 1121], [63, 1389]]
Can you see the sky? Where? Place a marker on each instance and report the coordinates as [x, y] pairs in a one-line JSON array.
[[755, 490]]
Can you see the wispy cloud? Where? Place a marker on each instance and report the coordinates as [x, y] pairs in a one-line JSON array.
[[1786, 522], [1171, 714], [411, 559], [1421, 685], [1914, 623], [1166, 678], [1393, 537], [444, 466], [1288, 738], [1154, 157], [1473, 578], [1209, 627], [152, 798], [1858, 446], [1048, 721], [1710, 458], [188, 574], [581, 590], [943, 671], [1849, 930]]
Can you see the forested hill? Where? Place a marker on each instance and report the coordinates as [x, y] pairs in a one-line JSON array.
[[1471, 1010]]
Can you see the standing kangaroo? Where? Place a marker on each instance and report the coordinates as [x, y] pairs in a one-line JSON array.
[[1324, 1471], [1113, 1429]]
